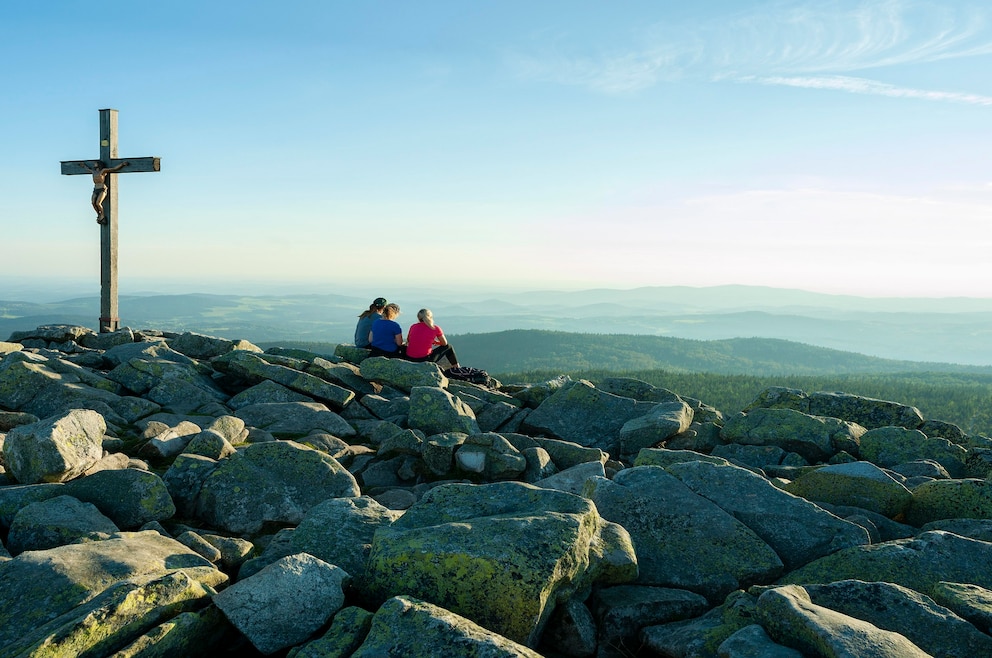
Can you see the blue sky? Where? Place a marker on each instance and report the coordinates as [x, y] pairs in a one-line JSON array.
[[839, 147]]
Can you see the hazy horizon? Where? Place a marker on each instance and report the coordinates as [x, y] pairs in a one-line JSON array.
[[948, 330]]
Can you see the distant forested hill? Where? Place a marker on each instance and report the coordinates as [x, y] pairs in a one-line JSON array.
[[964, 399], [727, 374], [529, 350]]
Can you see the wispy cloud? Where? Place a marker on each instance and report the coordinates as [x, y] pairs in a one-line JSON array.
[[864, 86], [814, 45], [613, 72], [790, 37]]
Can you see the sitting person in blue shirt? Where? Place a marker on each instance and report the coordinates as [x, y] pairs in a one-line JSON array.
[[386, 336], [366, 320]]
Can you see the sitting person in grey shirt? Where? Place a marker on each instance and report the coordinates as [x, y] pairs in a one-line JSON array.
[[365, 321]]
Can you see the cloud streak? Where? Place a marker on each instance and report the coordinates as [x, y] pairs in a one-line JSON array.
[[865, 86]]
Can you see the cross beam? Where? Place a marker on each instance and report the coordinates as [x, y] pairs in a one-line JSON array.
[[108, 166]]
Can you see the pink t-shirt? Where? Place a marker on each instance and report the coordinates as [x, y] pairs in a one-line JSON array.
[[421, 339]]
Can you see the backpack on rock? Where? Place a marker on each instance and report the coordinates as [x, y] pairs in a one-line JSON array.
[[471, 375]]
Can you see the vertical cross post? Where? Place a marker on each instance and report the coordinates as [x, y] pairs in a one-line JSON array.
[[106, 169], [109, 316]]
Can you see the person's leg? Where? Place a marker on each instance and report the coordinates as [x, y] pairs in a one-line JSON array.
[[445, 352]]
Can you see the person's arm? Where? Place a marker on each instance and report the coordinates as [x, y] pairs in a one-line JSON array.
[[113, 170], [399, 339], [370, 338], [440, 338]]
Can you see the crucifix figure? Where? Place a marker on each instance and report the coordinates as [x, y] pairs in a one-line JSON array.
[[100, 173], [104, 202]]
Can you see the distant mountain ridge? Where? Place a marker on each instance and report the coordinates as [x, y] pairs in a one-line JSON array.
[[943, 330]]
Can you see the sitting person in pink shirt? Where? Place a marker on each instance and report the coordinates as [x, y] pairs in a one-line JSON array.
[[426, 341]]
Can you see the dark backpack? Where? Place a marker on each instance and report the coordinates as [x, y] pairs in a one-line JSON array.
[[471, 375]]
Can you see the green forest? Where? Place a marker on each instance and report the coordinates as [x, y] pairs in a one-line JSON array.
[[962, 399], [726, 374]]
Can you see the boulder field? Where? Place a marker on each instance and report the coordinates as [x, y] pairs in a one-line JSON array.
[[185, 495]]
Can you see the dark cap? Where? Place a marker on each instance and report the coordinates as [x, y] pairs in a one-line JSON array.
[[379, 301]]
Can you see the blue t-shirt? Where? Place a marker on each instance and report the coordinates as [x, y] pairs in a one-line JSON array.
[[364, 327], [384, 334]]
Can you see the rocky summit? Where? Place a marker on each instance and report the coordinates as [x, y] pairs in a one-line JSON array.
[[169, 494]]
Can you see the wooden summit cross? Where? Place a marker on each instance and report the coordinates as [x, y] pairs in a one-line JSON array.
[[104, 172]]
